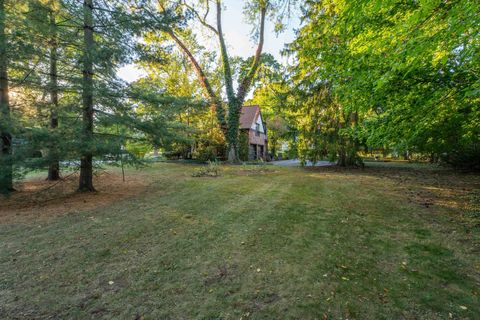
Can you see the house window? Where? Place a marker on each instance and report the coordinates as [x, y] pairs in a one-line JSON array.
[[257, 130]]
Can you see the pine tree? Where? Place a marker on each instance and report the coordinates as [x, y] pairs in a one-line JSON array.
[[6, 169], [86, 165], [54, 167]]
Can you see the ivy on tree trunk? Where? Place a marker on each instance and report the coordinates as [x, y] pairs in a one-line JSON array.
[[228, 119]]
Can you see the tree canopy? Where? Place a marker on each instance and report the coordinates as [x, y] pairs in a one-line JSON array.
[[407, 72], [369, 76]]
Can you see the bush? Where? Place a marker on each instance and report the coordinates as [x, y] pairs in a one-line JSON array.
[[210, 170], [207, 153]]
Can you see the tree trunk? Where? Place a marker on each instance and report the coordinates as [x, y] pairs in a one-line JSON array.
[[231, 125], [6, 165], [273, 148], [236, 103], [54, 168], [86, 163], [232, 132], [342, 157], [209, 93], [233, 154]]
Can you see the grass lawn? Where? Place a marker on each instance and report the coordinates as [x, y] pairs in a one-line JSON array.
[[291, 243]]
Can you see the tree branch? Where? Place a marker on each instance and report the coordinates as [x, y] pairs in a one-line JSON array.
[[210, 94], [247, 81], [203, 20], [216, 102], [196, 66], [227, 71]]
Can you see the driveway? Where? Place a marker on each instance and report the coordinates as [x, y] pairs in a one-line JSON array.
[[296, 163]]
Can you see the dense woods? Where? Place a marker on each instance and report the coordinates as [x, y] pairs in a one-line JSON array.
[[365, 78]]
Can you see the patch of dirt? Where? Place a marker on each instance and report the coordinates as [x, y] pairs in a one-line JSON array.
[[258, 302], [40, 199], [223, 273]]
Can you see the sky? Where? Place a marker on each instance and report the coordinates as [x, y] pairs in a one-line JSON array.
[[237, 34]]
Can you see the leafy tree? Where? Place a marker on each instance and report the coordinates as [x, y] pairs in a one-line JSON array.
[[272, 93], [404, 71], [228, 118]]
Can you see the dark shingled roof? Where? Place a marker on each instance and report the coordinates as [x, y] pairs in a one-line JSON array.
[[248, 116]]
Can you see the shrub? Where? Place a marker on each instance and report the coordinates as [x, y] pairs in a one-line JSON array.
[[212, 169], [207, 153]]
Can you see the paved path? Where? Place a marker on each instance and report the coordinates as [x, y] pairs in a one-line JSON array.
[[296, 163]]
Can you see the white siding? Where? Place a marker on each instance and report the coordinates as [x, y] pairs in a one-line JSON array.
[[260, 123]]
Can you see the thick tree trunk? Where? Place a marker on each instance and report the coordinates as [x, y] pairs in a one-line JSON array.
[[6, 165], [235, 102], [54, 168], [231, 125], [86, 162], [227, 71], [233, 154], [232, 133]]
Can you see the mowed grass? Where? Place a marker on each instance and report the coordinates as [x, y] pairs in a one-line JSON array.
[[288, 244]]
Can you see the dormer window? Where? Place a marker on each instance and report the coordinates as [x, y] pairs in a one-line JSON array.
[[257, 130]]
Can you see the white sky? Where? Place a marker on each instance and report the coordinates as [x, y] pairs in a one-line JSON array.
[[237, 34]]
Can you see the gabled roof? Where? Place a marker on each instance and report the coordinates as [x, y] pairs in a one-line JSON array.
[[248, 116]]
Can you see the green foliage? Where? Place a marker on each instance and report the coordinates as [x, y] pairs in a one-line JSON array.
[[408, 71], [272, 94], [243, 143], [212, 169], [139, 149], [127, 119]]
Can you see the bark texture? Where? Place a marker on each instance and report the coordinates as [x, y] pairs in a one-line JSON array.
[[86, 162], [6, 165], [54, 167]]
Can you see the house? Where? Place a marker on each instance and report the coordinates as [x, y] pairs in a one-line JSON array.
[[253, 134]]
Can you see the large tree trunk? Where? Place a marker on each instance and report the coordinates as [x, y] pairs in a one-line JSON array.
[[233, 129], [6, 166], [86, 163], [231, 125], [54, 168], [236, 102]]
